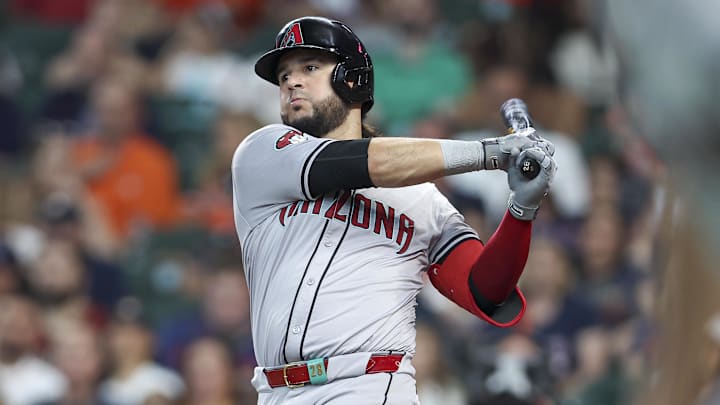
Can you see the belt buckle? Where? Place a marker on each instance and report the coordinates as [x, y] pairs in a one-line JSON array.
[[285, 376]]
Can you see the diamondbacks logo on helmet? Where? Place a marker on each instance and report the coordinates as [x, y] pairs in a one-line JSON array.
[[293, 36], [291, 138]]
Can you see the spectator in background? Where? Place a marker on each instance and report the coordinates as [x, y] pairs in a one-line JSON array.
[[16, 201], [607, 279], [150, 28], [473, 209], [132, 176], [57, 281], [93, 53], [12, 122], [437, 383], [12, 279], [598, 379], [61, 203], [51, 11], [211, 379], [71, 74], [558, 312], [225, 315], [210, 202], [512, 372], [509, 60], [413, 49], [65, 219], [77, 352], [134, 377], [606, 181], [582, 60], [25, 378], [246, 11], [638, 340], [197, 67]]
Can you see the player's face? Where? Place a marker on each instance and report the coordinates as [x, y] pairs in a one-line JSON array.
[[307, 99]]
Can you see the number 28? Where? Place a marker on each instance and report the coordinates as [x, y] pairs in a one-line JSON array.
[[315, 370]]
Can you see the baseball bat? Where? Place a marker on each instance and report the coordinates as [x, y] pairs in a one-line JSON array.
[[516, 117]]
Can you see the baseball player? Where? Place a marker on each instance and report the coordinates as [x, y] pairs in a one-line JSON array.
[[337, 228]]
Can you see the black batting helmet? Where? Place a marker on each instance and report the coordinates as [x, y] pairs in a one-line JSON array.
[[320, 33]]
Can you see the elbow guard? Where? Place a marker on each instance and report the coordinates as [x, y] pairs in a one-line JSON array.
[[451, 276]]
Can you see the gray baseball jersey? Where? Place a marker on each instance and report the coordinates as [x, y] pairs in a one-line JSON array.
[[337, 273]]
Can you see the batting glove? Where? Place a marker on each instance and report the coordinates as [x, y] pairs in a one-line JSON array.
[[498, 151], [527, 194]]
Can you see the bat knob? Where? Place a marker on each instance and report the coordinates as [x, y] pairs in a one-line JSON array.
[[529, 168]]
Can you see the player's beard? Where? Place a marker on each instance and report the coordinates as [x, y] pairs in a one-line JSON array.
[[327, 115]]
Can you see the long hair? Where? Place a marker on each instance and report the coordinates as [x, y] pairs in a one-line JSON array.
[[369, 131]]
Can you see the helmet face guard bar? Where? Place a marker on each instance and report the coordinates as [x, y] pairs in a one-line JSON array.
[[331, 36]]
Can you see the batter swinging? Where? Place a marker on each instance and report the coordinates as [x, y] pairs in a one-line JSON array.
[[337, 227]]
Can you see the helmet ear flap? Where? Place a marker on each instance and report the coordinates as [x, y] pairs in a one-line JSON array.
[[339, 82], [360, 92]]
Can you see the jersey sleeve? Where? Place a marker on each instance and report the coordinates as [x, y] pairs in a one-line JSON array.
[[451, 229], [270, 168]]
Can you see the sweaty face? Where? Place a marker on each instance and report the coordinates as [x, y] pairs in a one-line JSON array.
[[307, 99]]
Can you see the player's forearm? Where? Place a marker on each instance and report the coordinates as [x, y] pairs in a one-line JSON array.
[[390, 162], [397, 162], [499, 266]]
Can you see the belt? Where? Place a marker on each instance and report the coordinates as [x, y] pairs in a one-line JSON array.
[[299, 374]]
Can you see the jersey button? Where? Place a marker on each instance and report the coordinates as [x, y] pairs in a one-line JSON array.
[[296, 329], [328, 243], [310, 281]]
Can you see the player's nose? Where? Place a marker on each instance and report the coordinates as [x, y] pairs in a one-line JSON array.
[[294, 81]]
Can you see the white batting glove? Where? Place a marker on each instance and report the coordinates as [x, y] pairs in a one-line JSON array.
[[498, 151], [527, 194]]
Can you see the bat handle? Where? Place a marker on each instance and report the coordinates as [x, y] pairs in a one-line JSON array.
[[516, 117], [529, 168]]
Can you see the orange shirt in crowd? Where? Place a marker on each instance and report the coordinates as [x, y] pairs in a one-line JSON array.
[[136, 181]]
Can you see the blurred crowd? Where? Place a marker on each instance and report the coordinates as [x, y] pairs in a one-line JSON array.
[[121, 280]]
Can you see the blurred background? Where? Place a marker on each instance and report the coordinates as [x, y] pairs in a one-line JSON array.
[[121, 280]]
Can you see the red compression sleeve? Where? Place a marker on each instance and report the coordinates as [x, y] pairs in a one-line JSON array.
[[478, 277], [496, 272]]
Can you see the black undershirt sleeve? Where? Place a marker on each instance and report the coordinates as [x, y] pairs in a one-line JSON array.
[[342, 165]]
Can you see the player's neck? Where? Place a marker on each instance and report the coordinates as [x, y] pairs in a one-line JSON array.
[[351, 128]]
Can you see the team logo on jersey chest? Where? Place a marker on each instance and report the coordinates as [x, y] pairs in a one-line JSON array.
[[365, 213], [291, 137]]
